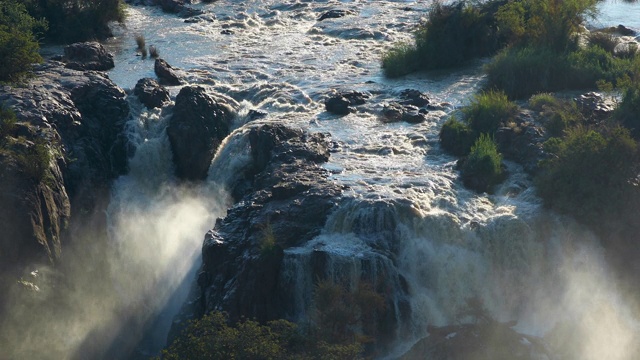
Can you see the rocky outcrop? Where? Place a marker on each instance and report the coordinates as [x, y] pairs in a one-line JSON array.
[[394, 112], [150, 93], [196, 129], [87, 56], [167, 74], [59, 159], [595, 107], [335, 14], [522, 142], [284, 202], [343, 102]]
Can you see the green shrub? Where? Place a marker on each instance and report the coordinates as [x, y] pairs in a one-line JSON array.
[[628, 111], [451, 35], [483, 167], [488, 110], [544, 23], [521, 72], [18, 45], [7, 123], [589, 174], [456, 137], [35, 160], [211, 337], [543, 101], [400, 60], [77, 20]]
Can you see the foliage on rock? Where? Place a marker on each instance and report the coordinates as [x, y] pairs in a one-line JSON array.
[[18, 44]]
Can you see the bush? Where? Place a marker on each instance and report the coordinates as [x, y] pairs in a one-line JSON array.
[[18, 45], [211, 337], [483, 167], [589, 174], [488, 110], [77, 20], [628, 111], [520, 72], [549, 24], [456, 137], [8, 122], [452, 34]]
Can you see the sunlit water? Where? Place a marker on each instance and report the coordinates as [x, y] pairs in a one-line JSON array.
[[405, 212], [451, 244]]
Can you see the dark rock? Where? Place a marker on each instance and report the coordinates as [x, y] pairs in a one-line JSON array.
[[625, 31], [150, 93], [166, 73], [227, 32], [595, 106], [342, 102], [256, 114], [66, 114], [415, 98], [334, 14], [522, 142], [483, 341], [171, 6], [338, 105], [289, 199], [355, 97], [196, 129], [87, 56], [394, 112]]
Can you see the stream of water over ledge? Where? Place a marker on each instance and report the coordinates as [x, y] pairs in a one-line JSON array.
[[451, 244], [405, 214]]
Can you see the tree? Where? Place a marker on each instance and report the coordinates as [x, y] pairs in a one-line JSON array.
[[18, 44]]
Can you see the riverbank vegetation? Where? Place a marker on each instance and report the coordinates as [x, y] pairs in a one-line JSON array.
[[342, 324], [23, 24], [539, 45]]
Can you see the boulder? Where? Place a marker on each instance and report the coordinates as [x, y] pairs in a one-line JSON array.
[[341, 103], [415, 98], [522, 142], [394, 112], [196, 129], [334, 14], [167, 74], [151, 93], [595, 106], [87, 56], [338, 105]]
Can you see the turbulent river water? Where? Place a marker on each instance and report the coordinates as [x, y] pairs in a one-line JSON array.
[[523, 262]]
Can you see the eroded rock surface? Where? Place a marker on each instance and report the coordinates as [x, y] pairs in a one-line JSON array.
[[59, 159]]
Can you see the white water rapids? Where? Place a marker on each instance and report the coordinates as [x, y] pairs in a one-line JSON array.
[[523, 262]]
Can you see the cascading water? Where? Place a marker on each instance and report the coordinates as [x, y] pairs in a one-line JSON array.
[[405, 220], [406, 216]]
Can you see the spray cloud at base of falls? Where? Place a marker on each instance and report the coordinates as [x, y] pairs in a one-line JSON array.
[[115, 283]]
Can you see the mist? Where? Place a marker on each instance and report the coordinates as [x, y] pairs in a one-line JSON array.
[[116, 284]]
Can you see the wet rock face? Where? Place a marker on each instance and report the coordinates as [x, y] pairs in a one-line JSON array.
[[67, 147], [196, 129], [335, 14], [87, 56], [151, 93], [285, 204]]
